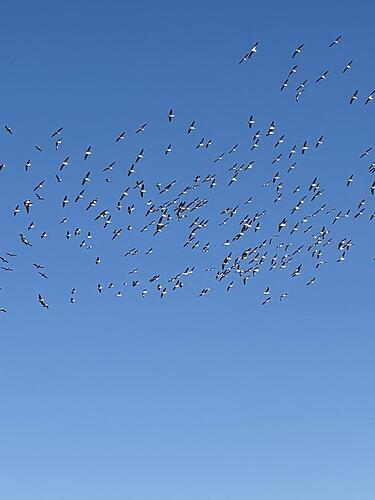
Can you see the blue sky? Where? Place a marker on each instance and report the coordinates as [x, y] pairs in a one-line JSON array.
[[181, 398]]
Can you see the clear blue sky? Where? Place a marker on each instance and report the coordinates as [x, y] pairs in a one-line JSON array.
[[183, 398]]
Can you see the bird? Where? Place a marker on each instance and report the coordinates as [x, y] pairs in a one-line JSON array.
[[141, 128], [293, 151], [284, 85], [200, 144], [298, 50], [348, 66], [336, 41], [297, 271], [253, 49], [87, 153], [79, 196], [86, 179], [293, 70], [244, 58], [251, 52], [140, 155], [191, 127], [350, 180], [271, 128], [120, 137], [57, 132], [305, 147], [370, 97], [354, 97], [40, 185], [42, 302], [366, 152], [251, 121], [323, 76], [28, 204], [171, 115], [231, 285], [282, 224]]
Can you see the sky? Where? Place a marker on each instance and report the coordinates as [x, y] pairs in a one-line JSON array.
[[207, 398]]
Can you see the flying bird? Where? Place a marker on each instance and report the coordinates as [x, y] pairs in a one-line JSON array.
[[323, 76], [87, 153], [120, 137], [336, 41], [298, 50], [354, 97], [348, 66], [370, 97]]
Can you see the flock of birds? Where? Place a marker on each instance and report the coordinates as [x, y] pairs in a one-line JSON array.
[[296, 237]]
